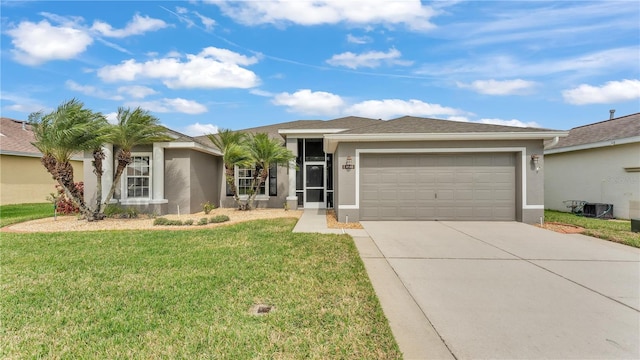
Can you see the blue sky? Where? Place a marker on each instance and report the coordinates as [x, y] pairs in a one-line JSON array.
[[199, 66]]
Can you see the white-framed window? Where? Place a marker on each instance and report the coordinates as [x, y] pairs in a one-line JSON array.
[[136, 180], [244, 179]]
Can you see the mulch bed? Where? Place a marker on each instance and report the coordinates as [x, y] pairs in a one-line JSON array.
[[561, 228]]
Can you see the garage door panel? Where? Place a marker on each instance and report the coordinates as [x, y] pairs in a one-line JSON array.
[[464, 195], [503, 195], [502, 178], [437, 187]]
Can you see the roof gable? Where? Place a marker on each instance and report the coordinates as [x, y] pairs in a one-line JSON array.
[[614, 129]]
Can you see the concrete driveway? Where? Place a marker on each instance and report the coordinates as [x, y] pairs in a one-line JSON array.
[[503, 290]]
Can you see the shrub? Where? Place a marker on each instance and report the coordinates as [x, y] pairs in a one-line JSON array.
[[188, 222], [207, 207], [219, 219], [129, 213], [160, 221], [112, 210], [115, 211], [63, 204], [203, 221]]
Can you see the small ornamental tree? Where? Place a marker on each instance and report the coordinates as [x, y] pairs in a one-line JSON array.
[[134, 127], [64, 205], [257, 151], [59, 135]]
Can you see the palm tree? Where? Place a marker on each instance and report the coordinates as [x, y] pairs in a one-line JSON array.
[[134, 127], [265, 152], [58, 135], [235, 153]]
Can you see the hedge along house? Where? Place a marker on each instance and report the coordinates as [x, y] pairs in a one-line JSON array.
[[403, 169]]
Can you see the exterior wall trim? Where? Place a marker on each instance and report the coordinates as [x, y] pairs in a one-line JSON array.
[[188, 145], [331, 140], [630, 140], [521, 150]]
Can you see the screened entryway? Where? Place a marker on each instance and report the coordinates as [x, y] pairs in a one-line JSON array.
[[314, 175]]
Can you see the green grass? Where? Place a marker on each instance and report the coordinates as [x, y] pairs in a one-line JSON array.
[[187, 294], [13, 214], [613, 230]]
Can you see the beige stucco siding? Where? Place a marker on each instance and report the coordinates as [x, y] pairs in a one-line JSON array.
[[25, 180], [597, 176], [529, 182]]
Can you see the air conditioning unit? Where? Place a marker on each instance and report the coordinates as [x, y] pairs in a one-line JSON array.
[[597, 210]]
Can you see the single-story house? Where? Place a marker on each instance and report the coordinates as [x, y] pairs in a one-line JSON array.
[[597, 163], [408, 168], [23, 179]]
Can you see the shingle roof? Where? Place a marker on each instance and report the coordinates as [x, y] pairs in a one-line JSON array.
[[271, 130], [416, 125], [15, 139], [614, 129], [349, 122]]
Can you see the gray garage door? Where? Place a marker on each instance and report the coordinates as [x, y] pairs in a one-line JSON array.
[[437, 187]]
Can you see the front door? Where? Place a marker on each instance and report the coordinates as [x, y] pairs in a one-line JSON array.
[[314, 185]]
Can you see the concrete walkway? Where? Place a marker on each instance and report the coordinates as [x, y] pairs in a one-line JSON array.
[[413, 332]]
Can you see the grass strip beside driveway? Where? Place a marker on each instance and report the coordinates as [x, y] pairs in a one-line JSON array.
[[13, 214], [188, 294], [613, 230]]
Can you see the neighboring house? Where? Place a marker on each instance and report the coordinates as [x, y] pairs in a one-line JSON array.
[[596, 163], [23, 179], [403, 169]]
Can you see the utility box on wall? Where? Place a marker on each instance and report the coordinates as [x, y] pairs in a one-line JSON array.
[[601, 211]]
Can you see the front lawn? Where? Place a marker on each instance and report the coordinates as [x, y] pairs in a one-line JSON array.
[[189, 294], [613, 230], [13, 214]]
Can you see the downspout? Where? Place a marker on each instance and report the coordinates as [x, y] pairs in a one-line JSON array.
[[552, 143]]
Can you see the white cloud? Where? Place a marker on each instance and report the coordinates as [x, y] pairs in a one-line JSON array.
[[36, 43], [306, 101], [390, 108], [411, 13], [600, 62], [22, 103], [177, 105], [208, 23], [369, 59], [211, 68], [112, 117], [259, 92], [137, 26], [358, 39], [512, 122], [91, 91], [198, 129], [610, 92], [500, 87], [136, 91]]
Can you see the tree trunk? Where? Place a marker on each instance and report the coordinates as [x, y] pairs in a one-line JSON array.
[[230, 177], [260, 179], [64, 172], [124, 159], [98, 157]]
